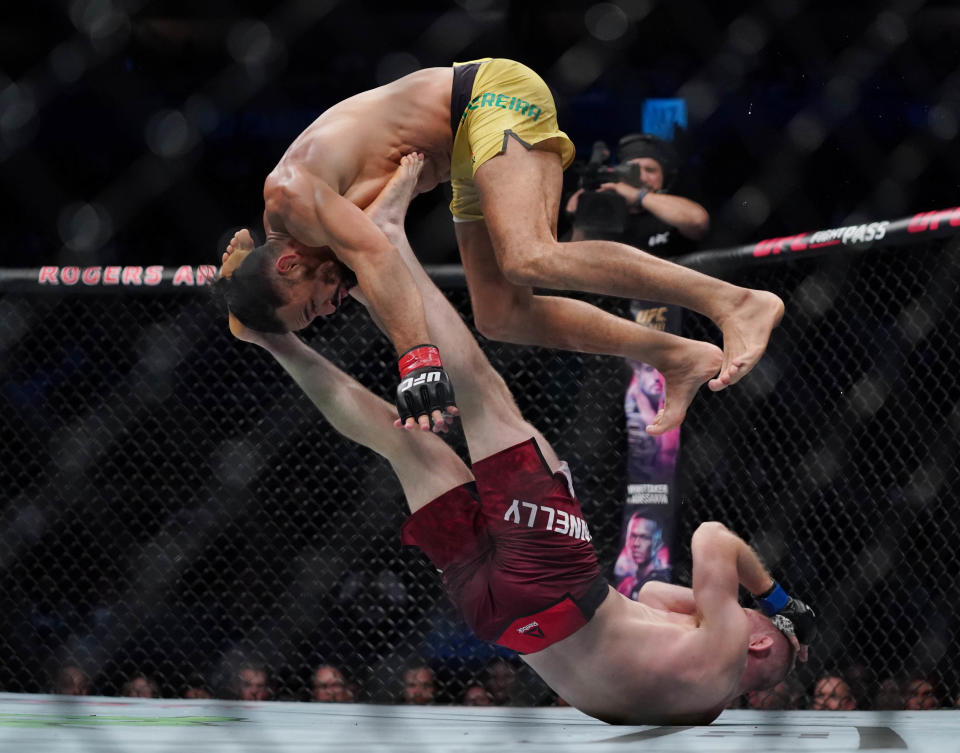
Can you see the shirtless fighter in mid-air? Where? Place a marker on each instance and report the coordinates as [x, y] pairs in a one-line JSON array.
[[490, 128], [515, 552]]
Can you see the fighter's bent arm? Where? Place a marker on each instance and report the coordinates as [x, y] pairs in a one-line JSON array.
[[715, 553], [309, 210], [738, 563]]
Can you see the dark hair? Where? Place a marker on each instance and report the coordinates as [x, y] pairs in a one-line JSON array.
[[636, 145], [251, 294]]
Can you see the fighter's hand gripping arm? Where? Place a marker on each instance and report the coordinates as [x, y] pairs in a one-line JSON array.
[[305, 207], [491, 420]]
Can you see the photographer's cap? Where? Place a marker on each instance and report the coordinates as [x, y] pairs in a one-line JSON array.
[[636, 145]]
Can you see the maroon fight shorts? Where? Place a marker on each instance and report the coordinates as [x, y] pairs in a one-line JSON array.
[[518, 563]]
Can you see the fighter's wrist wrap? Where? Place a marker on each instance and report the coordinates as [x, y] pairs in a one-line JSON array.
[[772, 600], [418, 357]]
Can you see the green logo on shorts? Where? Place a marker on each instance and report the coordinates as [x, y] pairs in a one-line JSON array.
[[504, 102]]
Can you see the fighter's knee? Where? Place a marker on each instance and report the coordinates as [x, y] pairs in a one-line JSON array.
[[503, 315], [518, 269], [524, 264], [493, 323]]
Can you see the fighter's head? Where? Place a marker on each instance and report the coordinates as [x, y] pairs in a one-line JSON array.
[[771, 655], [282, 286]]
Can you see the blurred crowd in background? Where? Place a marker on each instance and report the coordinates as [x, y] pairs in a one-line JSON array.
[[855, 688]]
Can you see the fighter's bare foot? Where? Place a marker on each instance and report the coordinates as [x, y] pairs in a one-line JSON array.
[[690, 364], [241, 241], [746, 332], [390, 207], [237, 249]]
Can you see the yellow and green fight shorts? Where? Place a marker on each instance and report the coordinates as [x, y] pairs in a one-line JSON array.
[[494, 99]]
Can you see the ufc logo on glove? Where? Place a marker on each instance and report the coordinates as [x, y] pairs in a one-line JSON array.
[[433, 376]]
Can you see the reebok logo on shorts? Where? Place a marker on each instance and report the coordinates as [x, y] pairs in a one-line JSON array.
[[558, 521], [504, 102], [532, 629]]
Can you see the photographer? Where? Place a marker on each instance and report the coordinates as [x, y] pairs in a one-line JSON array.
[[630, 201]]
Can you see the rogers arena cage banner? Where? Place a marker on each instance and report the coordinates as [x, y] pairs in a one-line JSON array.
[[103, 278]]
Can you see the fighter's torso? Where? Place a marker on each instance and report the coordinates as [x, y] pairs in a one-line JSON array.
[[356, 145], [636, 664]]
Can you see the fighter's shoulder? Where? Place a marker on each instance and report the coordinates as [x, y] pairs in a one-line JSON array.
[[323, 150], [281, 189], [291, 178]]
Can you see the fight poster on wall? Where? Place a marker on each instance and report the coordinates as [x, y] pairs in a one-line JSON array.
[[648, 515]]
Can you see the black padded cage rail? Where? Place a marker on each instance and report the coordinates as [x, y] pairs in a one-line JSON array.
[[173, 505]]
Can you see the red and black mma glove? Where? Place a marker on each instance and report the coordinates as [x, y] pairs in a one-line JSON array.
[[424, 385], [775, 602]]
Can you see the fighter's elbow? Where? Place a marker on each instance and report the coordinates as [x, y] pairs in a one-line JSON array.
[[711, 528], [709, 532]]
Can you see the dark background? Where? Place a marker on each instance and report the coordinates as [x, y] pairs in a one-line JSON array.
[[140, 132]]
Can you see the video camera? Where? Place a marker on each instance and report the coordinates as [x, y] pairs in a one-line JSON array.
[[597, 172]]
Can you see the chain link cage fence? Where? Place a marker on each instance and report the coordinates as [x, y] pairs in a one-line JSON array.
[[174, 506]]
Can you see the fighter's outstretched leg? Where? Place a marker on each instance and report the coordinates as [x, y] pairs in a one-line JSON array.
[[491, 420], [520, 192], [512, 313]]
